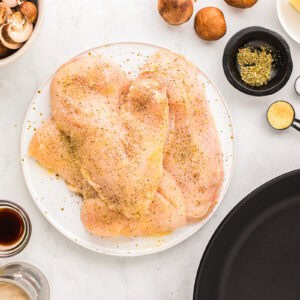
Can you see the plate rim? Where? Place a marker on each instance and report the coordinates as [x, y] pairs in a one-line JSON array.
[[283, 24], [231, 214], [142, 252]]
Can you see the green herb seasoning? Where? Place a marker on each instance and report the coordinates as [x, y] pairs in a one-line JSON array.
[[255, 65]]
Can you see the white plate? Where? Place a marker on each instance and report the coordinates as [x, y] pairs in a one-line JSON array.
[[289, 19], [62, 208]]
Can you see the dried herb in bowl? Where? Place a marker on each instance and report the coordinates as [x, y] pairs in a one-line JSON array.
[[255, 65]]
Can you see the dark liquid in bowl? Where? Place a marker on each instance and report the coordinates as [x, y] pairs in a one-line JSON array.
[[11, 226]]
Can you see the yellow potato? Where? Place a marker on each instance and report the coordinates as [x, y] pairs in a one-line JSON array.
[[176, 12], [241, 3], [210, 23]]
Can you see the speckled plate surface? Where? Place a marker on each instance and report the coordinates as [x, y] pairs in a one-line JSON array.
[[62, 208]]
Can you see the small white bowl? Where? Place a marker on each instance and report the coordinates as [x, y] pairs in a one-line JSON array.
[[38, 25], [289, 19]]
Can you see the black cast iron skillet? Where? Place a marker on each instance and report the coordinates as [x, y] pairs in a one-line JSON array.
[[255, 252]]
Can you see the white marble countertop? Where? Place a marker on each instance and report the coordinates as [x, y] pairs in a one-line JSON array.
[[72, 26]]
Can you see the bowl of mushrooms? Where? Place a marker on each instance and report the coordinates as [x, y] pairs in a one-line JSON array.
[[20, 23]]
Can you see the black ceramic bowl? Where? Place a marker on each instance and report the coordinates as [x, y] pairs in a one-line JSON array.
[[257, 37]]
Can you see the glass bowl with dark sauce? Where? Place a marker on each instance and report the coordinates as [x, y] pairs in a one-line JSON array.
[[15, 228]]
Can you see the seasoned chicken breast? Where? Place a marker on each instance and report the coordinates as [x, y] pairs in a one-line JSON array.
[[119, 152], [166, 214], [193, 153], [167, 211], [54, 151], [144, 155]]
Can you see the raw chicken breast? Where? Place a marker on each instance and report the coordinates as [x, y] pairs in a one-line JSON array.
[[53, 151], [193, 153], [119, 152], [145, 155], [165, 215], [167, 212]]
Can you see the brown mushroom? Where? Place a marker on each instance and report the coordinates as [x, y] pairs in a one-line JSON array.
[[5, 12], [18, 29], [176, 12], [241, 3], [7, 42], [2, 15], [4, 52], [210, 23], [11, 3], [29, 10]]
